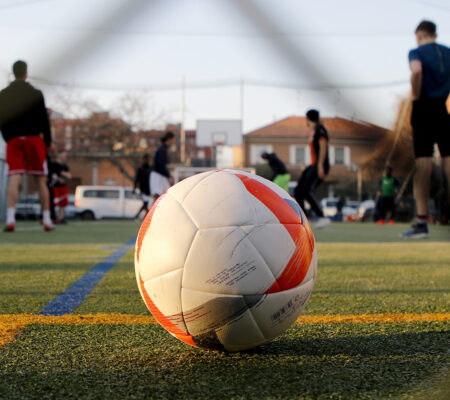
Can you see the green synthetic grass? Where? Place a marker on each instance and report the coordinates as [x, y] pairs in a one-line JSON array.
[[312, 361], [351, 279], [120, 231], [117, 293], [381, 278], [373, 271], [370, 232], [32, 275], [75, 232]]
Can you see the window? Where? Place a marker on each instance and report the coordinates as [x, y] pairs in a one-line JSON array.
[[255, 152], [339, 155], [110, 182], [130, 195], [68, 131], [90, 194], [299, 155], [109, 194], [101, 194]]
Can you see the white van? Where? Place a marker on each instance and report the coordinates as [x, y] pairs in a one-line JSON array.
[[96, 202]]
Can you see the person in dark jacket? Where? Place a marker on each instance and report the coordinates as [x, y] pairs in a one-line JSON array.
[[280, 176], [314, 174], [26, 129], [142, 181], [160, 179]]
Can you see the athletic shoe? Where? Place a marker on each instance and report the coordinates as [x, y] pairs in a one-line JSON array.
[[62, 221], [380, 222], [48, 228], [9, 228], [322, 223], [391, 222], [418, 231]]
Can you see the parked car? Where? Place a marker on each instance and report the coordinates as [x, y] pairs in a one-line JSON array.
[[28, 207], [350, 210], [96, 202], [71, 211], [330, 207], [366, 210]]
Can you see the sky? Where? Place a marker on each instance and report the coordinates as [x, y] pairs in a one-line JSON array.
[[259, 60]]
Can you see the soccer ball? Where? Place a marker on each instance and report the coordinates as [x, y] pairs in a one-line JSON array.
[[225, 260]]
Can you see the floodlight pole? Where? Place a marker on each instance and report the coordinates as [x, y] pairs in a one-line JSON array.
[[183, 112]]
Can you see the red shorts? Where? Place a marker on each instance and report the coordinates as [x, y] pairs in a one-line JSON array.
[[26, 154], [60, 196]]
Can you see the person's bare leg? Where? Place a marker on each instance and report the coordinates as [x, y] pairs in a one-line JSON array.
[[61, 213], [44, 196], [13, 190], [422, 180], [12, 196]]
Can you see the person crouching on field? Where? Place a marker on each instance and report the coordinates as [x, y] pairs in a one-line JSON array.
[[281, 176], [160, 179], [60, 177], [314, 174]]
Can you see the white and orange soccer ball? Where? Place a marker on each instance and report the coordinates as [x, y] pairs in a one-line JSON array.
[[225, 260]]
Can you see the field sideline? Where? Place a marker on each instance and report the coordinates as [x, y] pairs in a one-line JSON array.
[[376, 326]]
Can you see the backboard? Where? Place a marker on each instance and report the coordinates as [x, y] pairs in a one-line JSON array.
[[212, 133]]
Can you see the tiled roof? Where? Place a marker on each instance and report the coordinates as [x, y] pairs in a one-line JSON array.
[[337, 128]]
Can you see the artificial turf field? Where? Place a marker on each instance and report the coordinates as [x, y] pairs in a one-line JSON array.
[[377, 324]]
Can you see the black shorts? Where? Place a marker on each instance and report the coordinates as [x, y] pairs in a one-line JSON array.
[[430, 124]]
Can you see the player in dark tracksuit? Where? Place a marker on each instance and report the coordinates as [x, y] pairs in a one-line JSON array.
[[160, 179], [59, 180], [430, 82], [314, 174], [142, 181]]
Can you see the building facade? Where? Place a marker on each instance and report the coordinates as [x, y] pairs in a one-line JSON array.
[[350, 143], [103, 150]]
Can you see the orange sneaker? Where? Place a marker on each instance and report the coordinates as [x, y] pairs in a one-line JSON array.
[[391, 222], [380, 222], [9, 228], [48, 228]]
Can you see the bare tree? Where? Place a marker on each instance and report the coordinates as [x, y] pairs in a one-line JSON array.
[[118, 136], [138, 109], [395, 149]]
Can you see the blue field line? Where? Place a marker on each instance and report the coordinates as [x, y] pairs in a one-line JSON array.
[[69, 300]]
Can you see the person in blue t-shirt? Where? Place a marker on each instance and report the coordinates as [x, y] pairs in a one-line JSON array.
[[430, 82]]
